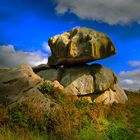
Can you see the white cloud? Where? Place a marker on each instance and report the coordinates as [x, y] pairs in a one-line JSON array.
[[130, 84], [130, 74], [108, 11], [9, 57], [46, 47], [130, 79], [134, 63], [127, 81]]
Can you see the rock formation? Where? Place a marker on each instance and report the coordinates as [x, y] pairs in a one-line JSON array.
[[21, 85], [78, 46], [93, 82], [66, 70], [67, 64]]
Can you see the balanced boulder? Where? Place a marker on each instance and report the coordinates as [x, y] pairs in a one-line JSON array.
[[78, 46]]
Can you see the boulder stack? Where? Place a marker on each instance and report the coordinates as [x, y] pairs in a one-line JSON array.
[[67, 65]]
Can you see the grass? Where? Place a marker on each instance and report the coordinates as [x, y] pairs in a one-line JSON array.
[[77, 119], [7, 134]]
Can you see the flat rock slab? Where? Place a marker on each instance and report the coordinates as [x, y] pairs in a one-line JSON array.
[[78, 46]]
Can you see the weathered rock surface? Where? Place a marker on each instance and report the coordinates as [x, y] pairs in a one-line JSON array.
[[89, 82], [82, 80], [37, 100], [78, 81], [21, 85], [51, 74], [104, 77], [79, 46], [55, 84], [114, 95], [15, 82]]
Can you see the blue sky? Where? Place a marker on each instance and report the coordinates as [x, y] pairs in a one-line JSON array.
[[26, 25]]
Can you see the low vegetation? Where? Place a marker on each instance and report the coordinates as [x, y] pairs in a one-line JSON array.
[[76, 119]]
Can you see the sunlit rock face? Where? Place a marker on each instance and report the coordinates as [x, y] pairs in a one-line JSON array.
[[113, 95], [78, 46], [20, 85], [15, 82]]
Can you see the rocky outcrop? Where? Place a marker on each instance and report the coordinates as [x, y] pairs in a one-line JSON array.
[[67, 64], [82, 80], [94, 83], [78, 46], [14, 82], [37, 100], [21, 85]]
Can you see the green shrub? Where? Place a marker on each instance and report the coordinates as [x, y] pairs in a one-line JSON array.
[[117, 133], [18, 116], [46, 87], [81, 104], [55, 93], [87, 133]]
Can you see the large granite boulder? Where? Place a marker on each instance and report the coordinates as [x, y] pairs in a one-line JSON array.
[[78, 46], [78, 81], [15, 82], [88, 79], [104, 77]]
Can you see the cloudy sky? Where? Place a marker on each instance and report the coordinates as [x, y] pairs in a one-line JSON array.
[[26, 25]]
